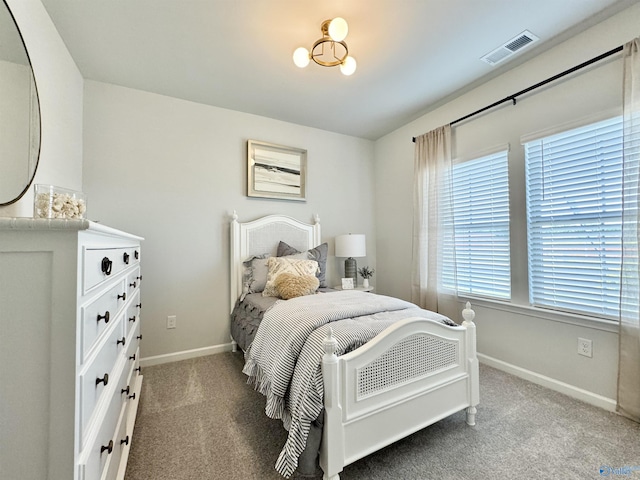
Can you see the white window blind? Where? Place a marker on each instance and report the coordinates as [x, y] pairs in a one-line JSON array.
[[476, 253], [574, 195]]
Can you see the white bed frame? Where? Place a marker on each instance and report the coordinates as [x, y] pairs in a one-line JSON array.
[[413, 374]]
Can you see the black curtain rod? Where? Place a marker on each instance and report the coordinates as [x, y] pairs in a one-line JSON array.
[[512, 98]]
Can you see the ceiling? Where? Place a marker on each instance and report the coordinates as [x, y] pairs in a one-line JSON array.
[[237, 54]]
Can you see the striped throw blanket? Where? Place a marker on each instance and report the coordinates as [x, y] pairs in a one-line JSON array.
[[284, 360]]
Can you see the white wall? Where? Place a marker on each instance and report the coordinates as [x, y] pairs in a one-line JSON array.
[[172, 171], [545, 347], [60, 87]]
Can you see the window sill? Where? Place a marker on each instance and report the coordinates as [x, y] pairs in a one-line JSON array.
[[545, 314]]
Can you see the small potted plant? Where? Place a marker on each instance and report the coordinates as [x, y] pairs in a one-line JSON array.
[[366, 273]]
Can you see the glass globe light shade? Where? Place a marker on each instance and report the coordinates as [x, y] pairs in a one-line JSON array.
[[348, 66], [338, 29], [301, 57]]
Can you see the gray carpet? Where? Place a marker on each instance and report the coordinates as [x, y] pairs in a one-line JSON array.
[[198, 419]]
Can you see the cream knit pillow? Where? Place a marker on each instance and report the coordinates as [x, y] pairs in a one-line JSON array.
[[278, 265]]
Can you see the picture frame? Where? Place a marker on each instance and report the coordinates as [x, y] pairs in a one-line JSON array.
[[276, 171], [347, 284]]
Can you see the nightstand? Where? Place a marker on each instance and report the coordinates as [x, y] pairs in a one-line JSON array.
[[360, 288]]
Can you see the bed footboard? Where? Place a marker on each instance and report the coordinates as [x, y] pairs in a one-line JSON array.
[[411, 375]]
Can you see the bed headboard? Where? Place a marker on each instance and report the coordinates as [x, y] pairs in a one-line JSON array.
[[262, 236]]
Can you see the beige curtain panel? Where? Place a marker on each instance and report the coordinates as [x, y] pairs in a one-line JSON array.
[[629, 361], [431, 190]]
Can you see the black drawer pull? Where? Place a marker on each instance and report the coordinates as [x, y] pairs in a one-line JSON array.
[[134, 284], [139, 337], [104, 317], [136, 254], [139, 278], [125, 390], [132, 319], [139, 305], [125, 440], [108, 448], [104, 380], [139, 369], [133, 396], [132, 357], [123, 296], [106, 266], [125, 258], [121, 341]]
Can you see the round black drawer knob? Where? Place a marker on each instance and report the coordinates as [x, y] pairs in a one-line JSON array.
[[104, 379], [104, 317]]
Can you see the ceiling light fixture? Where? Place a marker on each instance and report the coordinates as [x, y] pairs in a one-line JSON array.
[[330, 50]]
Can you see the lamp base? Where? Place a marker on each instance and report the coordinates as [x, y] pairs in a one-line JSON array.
[[351, 270]]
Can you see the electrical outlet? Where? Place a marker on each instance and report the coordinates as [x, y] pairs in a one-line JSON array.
[[585, 347], [171, 321]]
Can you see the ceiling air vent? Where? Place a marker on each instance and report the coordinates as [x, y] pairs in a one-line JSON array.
[[514, 45]]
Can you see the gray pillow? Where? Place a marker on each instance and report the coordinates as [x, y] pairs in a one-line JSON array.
[[255, 273], [319, 254]]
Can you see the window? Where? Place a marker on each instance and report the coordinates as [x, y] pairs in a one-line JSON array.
[[574, 207], [476, 240]]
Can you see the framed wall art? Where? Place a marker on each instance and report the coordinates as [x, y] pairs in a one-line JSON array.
[[276, 171]]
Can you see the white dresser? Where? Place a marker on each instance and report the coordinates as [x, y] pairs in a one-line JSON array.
[[69, 349]]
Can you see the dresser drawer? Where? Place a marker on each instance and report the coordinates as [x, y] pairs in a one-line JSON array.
[[121, 441], [135, 387], [103, 263], [132, 315], [132, 344], [99, 315], [133, 281], [106, 447], [99, 374], [129, 375]]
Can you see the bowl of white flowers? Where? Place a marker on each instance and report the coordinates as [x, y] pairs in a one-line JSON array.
[[57, 202]]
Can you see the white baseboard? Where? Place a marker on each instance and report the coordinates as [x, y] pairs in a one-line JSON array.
[[551, 383], [184, 355]]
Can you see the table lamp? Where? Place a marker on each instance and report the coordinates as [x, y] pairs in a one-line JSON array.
[[351, 245]]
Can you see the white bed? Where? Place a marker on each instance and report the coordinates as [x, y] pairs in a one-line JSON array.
[[364, 410]]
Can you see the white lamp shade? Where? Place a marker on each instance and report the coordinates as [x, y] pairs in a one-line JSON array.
[[348, 66], [352, 245], [338, 29], [301, 57]]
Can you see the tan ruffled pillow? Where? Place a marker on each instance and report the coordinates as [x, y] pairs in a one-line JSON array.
[[289, 285], [279, 265]]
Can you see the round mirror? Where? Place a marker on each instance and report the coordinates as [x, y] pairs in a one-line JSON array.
[[19, 113]]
